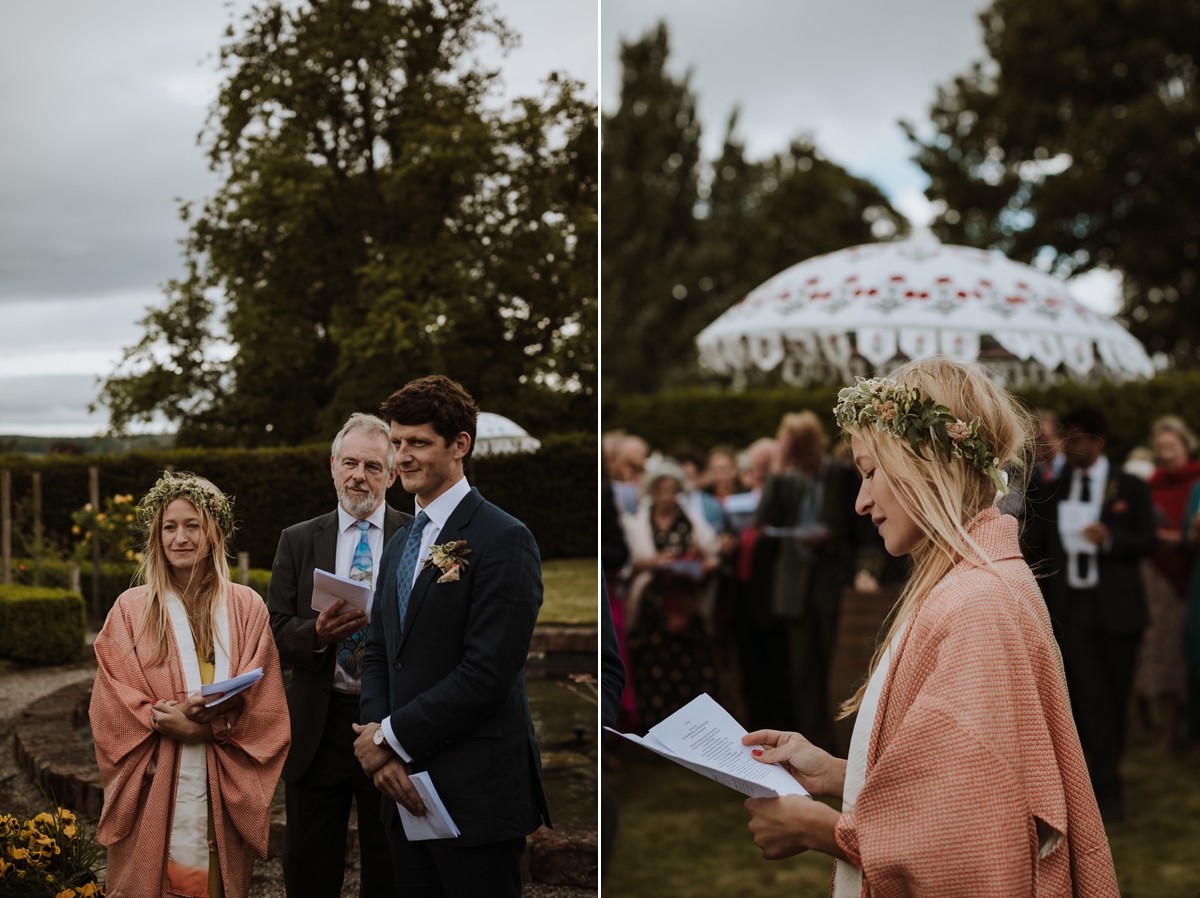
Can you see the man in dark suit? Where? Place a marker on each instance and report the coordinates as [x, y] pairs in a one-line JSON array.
[[443, 676], [1085, 534], [325, 651], [820, 542]]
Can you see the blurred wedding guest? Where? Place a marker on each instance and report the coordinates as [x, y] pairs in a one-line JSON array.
[[699, 498], [1089, 533], [629, 467], [723, 472], [610, 445], [1161, 676], [807, 509], [1048, 456], [322, 776], [672, 551], [1191, 626], [187, 787], [756, 462]]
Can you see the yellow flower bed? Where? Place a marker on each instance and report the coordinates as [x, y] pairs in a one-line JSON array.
[[50, 855]]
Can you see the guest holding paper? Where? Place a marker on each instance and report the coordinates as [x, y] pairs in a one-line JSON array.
[[673, 550], [807, 512], [325, 652], [965, 774], [443, 695], [1092, 530], [187, 788]]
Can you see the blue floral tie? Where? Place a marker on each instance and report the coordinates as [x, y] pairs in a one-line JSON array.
[[408, 565], [350, 649]]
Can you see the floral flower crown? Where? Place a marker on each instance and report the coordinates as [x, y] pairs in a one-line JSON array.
[[906, 414], [192, 488]]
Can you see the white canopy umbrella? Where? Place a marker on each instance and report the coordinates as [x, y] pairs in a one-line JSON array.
[[868, 308], [497, 435]]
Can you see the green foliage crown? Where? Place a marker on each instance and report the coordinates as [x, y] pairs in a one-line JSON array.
[[199, 492], [905, 414]]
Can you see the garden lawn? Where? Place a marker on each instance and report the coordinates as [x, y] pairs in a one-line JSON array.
[[682, 836], [572, 589]]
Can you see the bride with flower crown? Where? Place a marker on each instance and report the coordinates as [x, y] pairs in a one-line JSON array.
[[965, 775]]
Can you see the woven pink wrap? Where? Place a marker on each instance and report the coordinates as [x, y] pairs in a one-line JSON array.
[[140, 768], [973, 744]]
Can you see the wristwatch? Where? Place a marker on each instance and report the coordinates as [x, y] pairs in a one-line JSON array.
[[381, 740]]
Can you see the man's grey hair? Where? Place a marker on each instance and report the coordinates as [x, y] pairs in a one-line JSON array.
[[371, 424]]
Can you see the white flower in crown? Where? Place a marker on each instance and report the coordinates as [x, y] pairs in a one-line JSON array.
[[450, 559]]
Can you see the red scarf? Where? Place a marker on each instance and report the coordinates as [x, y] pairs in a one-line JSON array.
[[1171, 490]]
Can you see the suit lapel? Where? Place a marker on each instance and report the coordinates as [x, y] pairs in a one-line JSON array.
[[459, 518], [393, 520], [325, 544]]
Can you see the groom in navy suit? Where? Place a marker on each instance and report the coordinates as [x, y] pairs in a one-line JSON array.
[[443, 683]]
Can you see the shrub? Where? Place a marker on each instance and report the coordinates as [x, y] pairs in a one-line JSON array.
[[114, 578], [41, 625]]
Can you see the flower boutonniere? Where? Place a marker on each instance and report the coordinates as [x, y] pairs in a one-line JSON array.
[[450, 559]]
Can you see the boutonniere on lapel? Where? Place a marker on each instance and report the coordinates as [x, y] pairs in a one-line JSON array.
[[1110, 493], [450, 559]]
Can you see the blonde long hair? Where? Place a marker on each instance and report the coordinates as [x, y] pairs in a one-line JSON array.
[[942, 497], [155, 572]]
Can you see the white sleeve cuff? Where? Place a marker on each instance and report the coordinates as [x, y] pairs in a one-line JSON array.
[[386, 726]]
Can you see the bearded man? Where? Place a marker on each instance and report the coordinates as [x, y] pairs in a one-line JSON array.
[[325, 654]]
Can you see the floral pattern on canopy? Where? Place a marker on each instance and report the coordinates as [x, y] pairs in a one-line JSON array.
[[865, 309]]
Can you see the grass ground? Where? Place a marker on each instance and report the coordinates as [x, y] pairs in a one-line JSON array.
[[572, 591], [682, 836]]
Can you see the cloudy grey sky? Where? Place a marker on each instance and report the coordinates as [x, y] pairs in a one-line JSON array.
[[845, 72], [102, 103]]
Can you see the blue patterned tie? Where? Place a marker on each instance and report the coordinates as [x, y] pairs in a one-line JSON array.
[[408, 564], [350, 649]]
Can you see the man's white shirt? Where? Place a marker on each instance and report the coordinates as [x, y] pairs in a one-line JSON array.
[[1097, 476], [347, 543], [438, 511]]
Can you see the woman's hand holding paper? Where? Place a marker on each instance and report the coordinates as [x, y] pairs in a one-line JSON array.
[[786, 826], [813, 768]]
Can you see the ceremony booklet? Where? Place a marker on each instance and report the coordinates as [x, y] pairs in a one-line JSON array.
[[702, 736], [232, 686], [328, 588], [436, 824]]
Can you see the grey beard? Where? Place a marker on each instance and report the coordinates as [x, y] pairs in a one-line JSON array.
[[358, 506]]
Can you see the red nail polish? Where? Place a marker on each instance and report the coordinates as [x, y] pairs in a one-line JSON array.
[[756, 752]]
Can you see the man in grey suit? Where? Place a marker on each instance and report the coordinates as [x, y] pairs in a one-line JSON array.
[[325, 653]]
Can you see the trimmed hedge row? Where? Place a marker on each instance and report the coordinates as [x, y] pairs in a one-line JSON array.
[[114, 578], [704, 418], [553, 490], [41, 625]]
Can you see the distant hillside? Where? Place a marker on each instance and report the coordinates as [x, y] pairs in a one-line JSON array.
[[84, 445]]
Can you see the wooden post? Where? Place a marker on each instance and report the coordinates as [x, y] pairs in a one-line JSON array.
[[37, 528], [74, 581], [6, 524], [94, 498], [244, 568]]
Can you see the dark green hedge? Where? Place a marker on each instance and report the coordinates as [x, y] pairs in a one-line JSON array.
[[553, 491], [114, 578], [41, 625], [704, 418]]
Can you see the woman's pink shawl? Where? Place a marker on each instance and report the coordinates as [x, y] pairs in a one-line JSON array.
[[974, 750], [139, 767]]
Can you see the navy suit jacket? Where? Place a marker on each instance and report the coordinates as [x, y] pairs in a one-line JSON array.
[[1128, 512], [453, 684]]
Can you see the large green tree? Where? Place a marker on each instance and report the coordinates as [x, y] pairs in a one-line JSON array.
[[378, 221], [685, 238], [1076, 144]]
